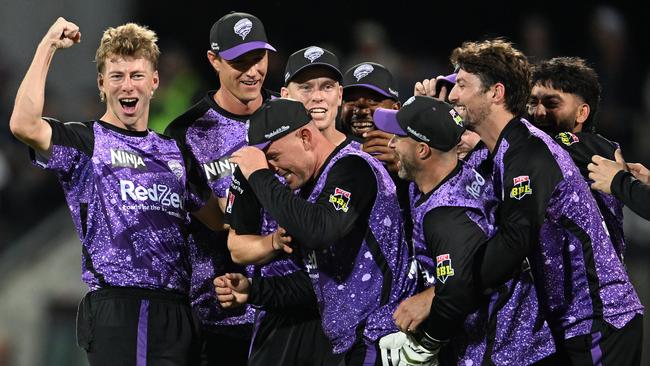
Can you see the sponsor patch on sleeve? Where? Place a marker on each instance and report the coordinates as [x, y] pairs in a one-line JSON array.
[[521, 187], [443, 267], [340, 199]]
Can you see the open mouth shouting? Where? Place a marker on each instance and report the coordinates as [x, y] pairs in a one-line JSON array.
[[129, 105]]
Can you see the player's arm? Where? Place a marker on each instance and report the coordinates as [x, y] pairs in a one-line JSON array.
[[244, 216], [529, 179], [292, 291], [348, 194], [632, 192], [26, 121], [454, 239]]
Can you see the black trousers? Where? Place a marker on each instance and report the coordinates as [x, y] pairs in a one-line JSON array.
[[132, 326]]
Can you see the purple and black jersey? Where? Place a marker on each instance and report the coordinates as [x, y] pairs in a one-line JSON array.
[[350, 231], [582, 146], [208, 135], [549, 213], [128, 195], [452, 223]]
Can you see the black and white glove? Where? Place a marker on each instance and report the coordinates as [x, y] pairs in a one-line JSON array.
[[400, 349]]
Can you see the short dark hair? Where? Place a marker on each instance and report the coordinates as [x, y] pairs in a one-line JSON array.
[[571, 75], [497, 61]]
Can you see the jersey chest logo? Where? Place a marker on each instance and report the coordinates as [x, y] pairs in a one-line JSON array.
[[443, 267], [340, 199], [521, 187]]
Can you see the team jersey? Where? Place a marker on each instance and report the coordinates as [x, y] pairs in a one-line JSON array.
[[549, 214], [348, 225], [452, 223], [208, 135], [129, 198], [582, 146]]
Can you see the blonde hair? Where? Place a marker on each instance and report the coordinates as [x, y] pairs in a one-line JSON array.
[[128, 40]]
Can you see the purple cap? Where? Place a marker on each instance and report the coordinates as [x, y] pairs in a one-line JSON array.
[[386, 120]]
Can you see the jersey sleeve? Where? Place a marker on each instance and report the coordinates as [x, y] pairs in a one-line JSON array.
[[632, 193], [71, 142], [454, 239], [243, 210], [349, 192]]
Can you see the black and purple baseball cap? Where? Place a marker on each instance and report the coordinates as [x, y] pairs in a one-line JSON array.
[[236, 34], [424, 119], [275, 119], [371, 75], [310, 57]]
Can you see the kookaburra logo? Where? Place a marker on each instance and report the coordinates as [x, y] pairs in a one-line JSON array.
[[127, 159], [312, 53], [243, 27], [362, 71]]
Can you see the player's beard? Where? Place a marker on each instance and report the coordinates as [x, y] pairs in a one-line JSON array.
[[406, 169]]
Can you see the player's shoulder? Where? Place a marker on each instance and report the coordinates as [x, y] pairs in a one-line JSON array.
[[180, 124]]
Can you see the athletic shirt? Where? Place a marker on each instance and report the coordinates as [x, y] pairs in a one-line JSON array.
[[208, 135], [582, 146], [359, 289], [127, 192], [579, 277], [508, 328]]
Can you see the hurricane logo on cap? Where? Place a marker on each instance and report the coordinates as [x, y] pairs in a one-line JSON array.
[[312, 53], [409, 101], [243, 27], [362, 71]]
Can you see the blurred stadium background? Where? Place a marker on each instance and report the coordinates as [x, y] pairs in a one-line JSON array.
[[39, 251]]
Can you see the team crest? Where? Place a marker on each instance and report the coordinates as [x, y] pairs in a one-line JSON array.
[[567, 138], [362, 71], [457, 118], [521, 187], [340, 199], [243, 27], [443, 267], [312, 53], [176, 168]]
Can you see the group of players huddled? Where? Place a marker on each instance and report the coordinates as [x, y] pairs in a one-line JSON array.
[[331, 224]]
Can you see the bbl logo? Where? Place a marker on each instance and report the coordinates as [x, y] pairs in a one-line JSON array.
[[340, 199], [443, 267], [522, 187], [567, 138]]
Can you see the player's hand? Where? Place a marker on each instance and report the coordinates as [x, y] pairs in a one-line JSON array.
[[232, 289], [281, 241], [425, 88], [249, 159], [62, 34], [639, 172], [602, 171], [412, 311], [376, 144]]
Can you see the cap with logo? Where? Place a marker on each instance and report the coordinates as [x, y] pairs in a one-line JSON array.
[[236, 34], [372, 76], [275, 119], [424, 119], [310, 57]]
